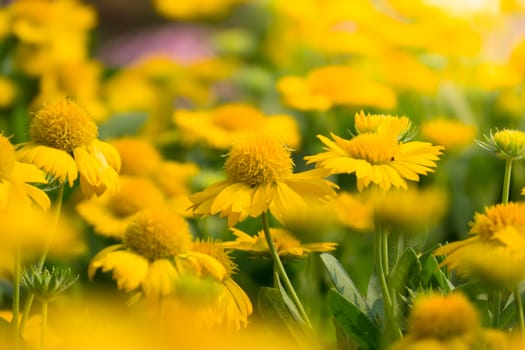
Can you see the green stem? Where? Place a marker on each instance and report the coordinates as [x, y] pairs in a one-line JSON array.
[[506, 181], [381, 253], [16, 298], [519, 310], [282, 272], [496, 307], [43, 325], [43, 257]]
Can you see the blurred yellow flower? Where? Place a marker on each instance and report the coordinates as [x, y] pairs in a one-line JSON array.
[[16, 178], [156, 249], [383, 124], [8, 92], [329, 86], [354, 211], [224, 124], [111, 213], [260, 177], [64, 143], [452, 134], [286, 244], [191, 9], [409, 211], [494, 253], [377, 158]]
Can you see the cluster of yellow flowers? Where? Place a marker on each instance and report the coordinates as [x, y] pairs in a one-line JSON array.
[[164, 204]]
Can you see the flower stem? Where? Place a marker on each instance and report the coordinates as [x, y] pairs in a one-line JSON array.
[[282, 272], [506, 181], [43, 325], [29, 300], [381, 255], [16, 298]]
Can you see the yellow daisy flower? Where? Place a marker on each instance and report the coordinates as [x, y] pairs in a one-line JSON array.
[[377, 158], [156, 249], [453, 134], [354, 211], [111, 213], [494, 254], [138, 156], [380, 123], [219, 127], [64, 143], [286, 244], [15, 179], [260, 177], [225, 304]]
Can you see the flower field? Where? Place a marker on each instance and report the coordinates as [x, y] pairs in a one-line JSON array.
[[254, 174]]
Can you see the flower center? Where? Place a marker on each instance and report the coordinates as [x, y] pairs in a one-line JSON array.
[[374, 148], [63, 125], [237, 117], [216, 251], [134, 195], [158, 234], [258, 160], [282, 239], [7, 158]]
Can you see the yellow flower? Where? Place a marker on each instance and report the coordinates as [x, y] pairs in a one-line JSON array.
[[442, 317], [383, 124], [191, 9], [8, 92], [139, 156], [64, 143], [453, 134], [156, 249], [409, 211], [227, 304], [111, 212], [335, 85], [506, 143], [15, 179], [377, 158], [494, 254], [285, 243], [219, 127], [354, 211], [260, 177]]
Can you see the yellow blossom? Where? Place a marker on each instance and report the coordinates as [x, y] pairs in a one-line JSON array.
[[16, 178], [354, 211], [506, 144], [452, 134], [286, 244], [64, 143], [187, 9], [260, 177], [221, 126]]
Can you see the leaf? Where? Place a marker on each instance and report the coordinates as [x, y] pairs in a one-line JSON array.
[[374, 299], [408, 262], [353, 322], [432, 275], [343, 283], [274, 310], [289, 303]]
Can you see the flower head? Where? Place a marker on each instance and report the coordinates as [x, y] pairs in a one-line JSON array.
[[286, 244], [506, 143], [453, 134], [260, 177], [64, 143], [377, 158], [494, 253], [379, 123], [16, 179]]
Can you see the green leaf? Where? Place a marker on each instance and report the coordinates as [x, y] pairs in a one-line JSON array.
[[343, 283], [374, 299], [432, 275], [407, 263], [353, 322], [289, 303], [273, 309]]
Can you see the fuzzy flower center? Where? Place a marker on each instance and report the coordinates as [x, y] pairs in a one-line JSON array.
[[374, 148], [498, 217], [158, 234], [63, 125], [216, 251], [7, 158], [258, 160]]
